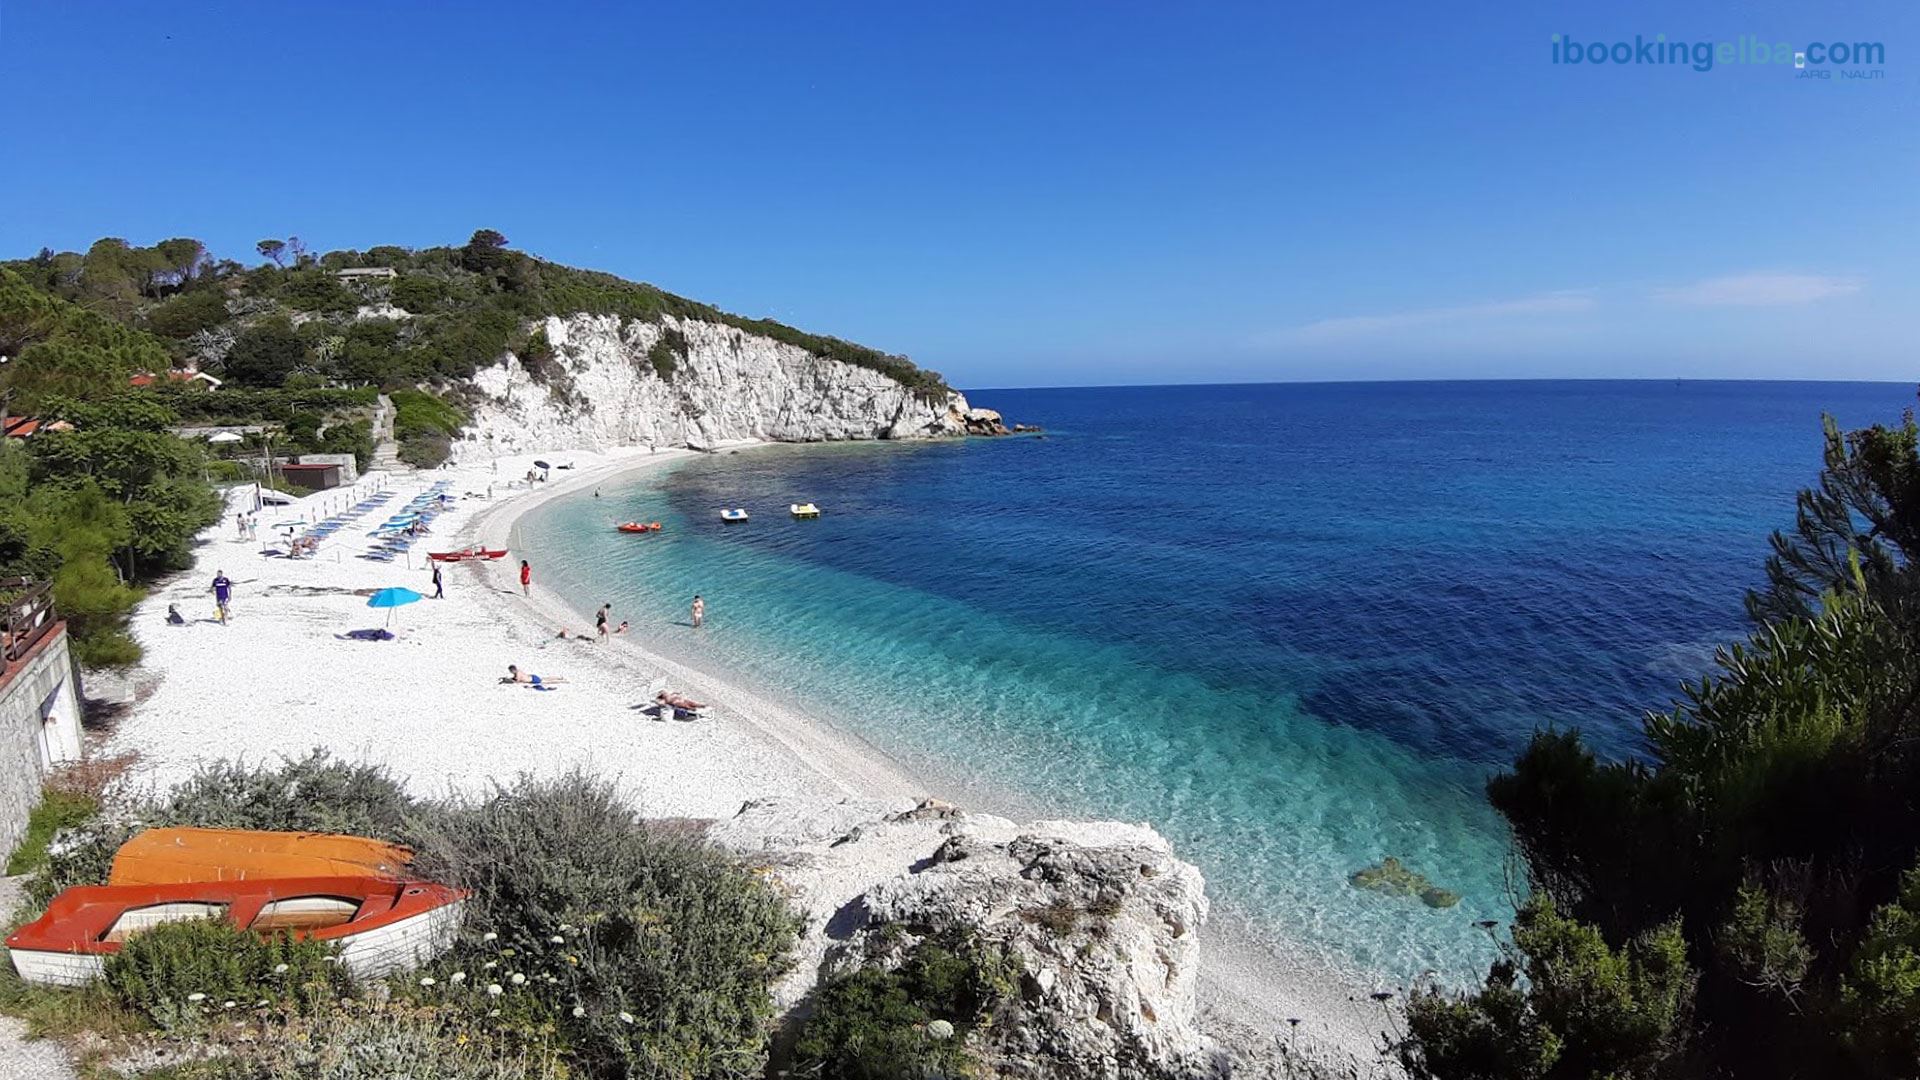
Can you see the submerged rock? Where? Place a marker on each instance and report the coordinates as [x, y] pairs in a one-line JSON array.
[[1393, 878]]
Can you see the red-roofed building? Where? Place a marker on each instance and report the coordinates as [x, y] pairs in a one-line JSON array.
[[178, 375], [25, 427]]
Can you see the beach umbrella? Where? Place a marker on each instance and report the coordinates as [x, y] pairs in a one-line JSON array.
[[541, 465], [226, 437], [392, 598]]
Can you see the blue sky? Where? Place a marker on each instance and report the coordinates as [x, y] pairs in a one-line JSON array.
[[1041, 193]]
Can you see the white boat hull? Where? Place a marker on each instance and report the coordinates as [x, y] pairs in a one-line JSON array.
[[404, 945], [375, 954], [57, 969]]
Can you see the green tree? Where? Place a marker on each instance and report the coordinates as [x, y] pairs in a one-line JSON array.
[[272, 249], [418, 293], [1881, 993], [187, 314], [486, 252], [182, 260], [1584, 1011], [1865, 511], [316, 289], [265, 354]]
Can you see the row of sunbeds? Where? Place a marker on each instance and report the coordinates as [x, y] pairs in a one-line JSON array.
[[396, 536], [325, 529]]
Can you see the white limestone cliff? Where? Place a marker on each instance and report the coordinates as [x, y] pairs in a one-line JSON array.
[[602, 391]]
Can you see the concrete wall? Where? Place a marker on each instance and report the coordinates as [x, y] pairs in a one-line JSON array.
[[39, 729], [348, 470]]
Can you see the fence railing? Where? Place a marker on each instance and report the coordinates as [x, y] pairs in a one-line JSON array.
[[25, 618]]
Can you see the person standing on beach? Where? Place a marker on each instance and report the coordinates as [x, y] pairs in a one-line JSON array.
[[600, 621], [439, 588], [699, 611], [222, 594], [526, 578]]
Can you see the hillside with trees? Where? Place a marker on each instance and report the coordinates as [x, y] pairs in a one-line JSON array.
[[104, 497]]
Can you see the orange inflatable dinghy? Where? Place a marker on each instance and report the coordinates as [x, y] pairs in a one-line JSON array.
[[176, 856]]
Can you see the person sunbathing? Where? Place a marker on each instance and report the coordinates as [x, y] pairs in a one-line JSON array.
[[515, 675], [678, 701]]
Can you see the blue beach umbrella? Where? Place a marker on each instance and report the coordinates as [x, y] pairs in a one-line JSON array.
[[392, 598]]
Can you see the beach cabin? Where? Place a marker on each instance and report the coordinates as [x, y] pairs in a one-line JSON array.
[[314, 476]]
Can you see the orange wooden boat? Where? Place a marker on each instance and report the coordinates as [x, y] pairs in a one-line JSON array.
[[174, 856], [638, 527], [381, 927]]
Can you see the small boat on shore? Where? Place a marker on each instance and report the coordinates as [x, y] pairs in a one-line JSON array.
[[466, 554], [177, 856], [381, 927], [736, 514], [804, 510], [638, 527]]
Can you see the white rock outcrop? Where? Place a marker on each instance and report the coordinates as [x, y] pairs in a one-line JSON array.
[[603, 391], [1103, 918]]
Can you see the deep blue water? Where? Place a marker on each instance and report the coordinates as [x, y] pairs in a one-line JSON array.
[[1294, 626]]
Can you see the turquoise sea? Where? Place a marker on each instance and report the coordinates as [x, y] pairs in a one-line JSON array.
[[1293, 626]]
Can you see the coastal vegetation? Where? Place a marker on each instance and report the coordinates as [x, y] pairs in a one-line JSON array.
[[105, 497], [595, 944], [879, 1023], [398, 317], [1743, 899]]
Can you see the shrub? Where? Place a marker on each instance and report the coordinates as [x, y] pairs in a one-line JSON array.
[[188, 314], [1880, 996], [181, 973], [418, 294], [314, 793], [265, 354], [667, 352], [1586, 1009], [874, 1024], [383, 1042], [80, 855], [425, 451], [417, 410], [225, 471], [57, 810], [667, 946], [317, 290]]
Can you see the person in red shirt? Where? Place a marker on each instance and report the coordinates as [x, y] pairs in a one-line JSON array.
[[526, 578]]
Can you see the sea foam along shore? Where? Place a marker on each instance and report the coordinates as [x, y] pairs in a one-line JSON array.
[[430, 707]]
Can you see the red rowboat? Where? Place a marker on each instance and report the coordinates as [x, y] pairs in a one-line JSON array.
[[381, 926], [638, 527], [466, 553]]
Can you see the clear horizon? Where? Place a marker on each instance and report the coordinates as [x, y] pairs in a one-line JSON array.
[[1450, 379], [1068, 196]]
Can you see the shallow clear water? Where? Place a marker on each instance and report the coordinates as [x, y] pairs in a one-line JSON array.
[[1294, 626]]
